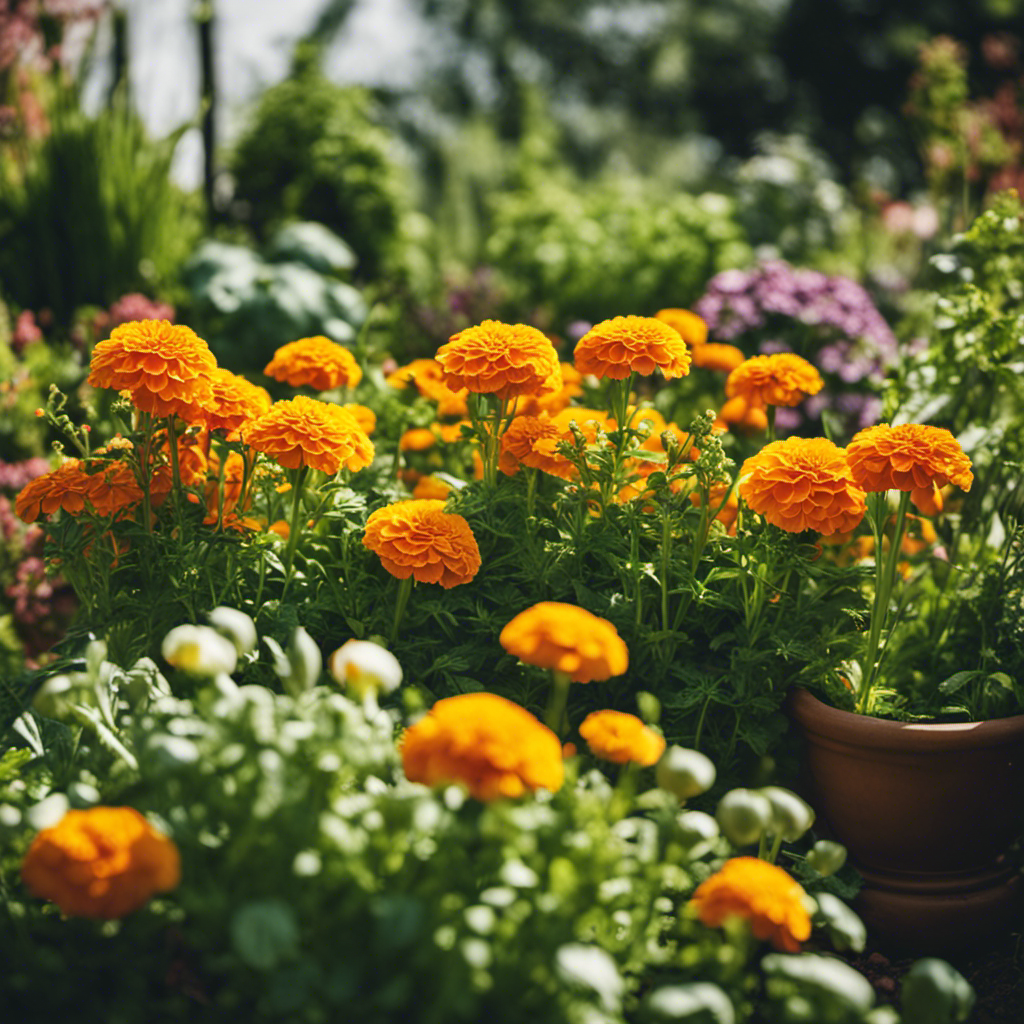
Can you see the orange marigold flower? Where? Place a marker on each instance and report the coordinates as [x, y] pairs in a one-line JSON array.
[[738, 412], [782, 378], [68, 488], [417, 439], [233, 478], [691, 328], [235, 401], [104, 862], [532, 441], [722, 495], [506, 360], [431, 487], [803, 483], [427, 376], [418, 538], [306, 432], [493, 747], [714, 356], [566, 639], [555, 401], [165, 367], [192, 463], [764, 894], [625, 344], [911, 457], [616, 736], [114, 489], [317, 362], [364, 416]]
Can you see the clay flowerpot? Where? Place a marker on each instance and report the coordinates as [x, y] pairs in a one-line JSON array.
[[927, 812]]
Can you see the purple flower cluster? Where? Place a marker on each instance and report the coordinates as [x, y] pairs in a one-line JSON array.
[[14, 475], [858, 341]]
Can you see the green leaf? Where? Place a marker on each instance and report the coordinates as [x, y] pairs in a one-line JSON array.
[[265, 932]]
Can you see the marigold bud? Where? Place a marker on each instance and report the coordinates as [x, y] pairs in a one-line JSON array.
[[685, 772], [743, 815]]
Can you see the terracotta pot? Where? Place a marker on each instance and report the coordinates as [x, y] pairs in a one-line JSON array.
[[927, 812]]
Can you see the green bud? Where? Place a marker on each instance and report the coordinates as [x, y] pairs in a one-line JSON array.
[[306, 660], [51, 699], [649, 707], [685, 772], [791, 816], [744, 815], [826, 857]]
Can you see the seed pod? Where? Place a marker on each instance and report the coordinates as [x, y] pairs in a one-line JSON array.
[[826, 857]]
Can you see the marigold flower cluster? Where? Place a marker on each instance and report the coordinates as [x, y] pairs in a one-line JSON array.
[[71, 488], [506, 360], [619, 737], [103, 862], [427, 376], [305, 432], [760, 892], [566, 639], [632, 344], [803, 484], [315, 362], [493, 747], [418, 538]]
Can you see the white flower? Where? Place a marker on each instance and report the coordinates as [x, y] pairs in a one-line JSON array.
[[199, 651], [364, 666], [236, 626]]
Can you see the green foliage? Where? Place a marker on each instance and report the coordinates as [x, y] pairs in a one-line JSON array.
[[313, 151], [589, 251], [88, 212]]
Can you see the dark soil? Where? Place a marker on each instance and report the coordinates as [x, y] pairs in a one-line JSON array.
[[996, 973]]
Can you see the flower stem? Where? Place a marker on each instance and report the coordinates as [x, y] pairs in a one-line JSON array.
[[401, 601], [554, 716], [771, 423], [295, 525]]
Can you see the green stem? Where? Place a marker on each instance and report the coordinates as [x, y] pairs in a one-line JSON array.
[[558, 700], [295, 525], [776, 846], [634, 558], [885, 578], [531, 491], [666, 561], [401, 601], [771, 423]]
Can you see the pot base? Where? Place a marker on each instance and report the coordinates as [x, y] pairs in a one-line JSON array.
[[939, 916]]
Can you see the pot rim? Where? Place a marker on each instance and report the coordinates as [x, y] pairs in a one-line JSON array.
[[820, 718]]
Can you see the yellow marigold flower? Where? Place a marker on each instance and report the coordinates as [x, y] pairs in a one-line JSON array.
[[165, 367], [431, 487], [625, 344], [363, 415], [493, 747], [691, 328], [760, 892], [722, 358], [533, 441], [306, 432], [451, 433], [427, 376], [235, 401], [506, 360], [104, 862], [417, 439], [554, 401], [782, 378], [418, 538], [192, 463], [911, 457], [566, 639], [317, 362], [803, 483], [616, 736]]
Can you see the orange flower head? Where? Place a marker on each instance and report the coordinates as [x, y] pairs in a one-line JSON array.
[[192, 462], [493, 747], [690, 327], [104, 862], [363, 415], [235, 401], [431, 487], [566, 639], [803, 483], [165, 367], [114, 489], [782, 378], [725, 496], [317, 362], [616, 736], [506, 360], [427, 376], [306, 432], [417, 439], [67, 488], [418, 538], [554, 401], [911, 457], [764, 894], [721, 358], [532, 441], [626, 344], [739, 413]]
